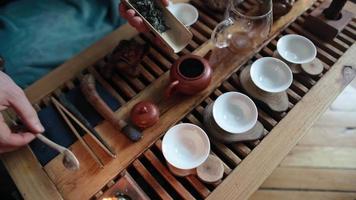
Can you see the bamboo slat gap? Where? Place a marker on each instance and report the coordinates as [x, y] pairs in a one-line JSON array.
[[152, 67], [199, 186], [106, 85], [226, 154], [149, 77], [198, 36], [349, 41], [170, 55], [204, 29], [240, 149], [349, 32], [200, 6], [178, 187], [159, 58], [123, 87], [299, 88], [207, 20], [134, 83], [152, 182]]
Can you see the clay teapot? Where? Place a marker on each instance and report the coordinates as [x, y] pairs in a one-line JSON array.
[[189, 75], [144, 114]]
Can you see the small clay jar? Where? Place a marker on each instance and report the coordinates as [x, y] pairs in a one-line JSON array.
[[281, 8], [189, 75], [144, 114]]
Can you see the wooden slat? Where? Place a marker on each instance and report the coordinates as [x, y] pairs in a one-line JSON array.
[[151, 180], [37, 184], [202, 190], [243, 181], [178, 187], [311, 179], [310, 195]]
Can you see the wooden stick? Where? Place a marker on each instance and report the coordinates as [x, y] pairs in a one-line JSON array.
[[106, 85], [91, 152], [88, 89], [83, 123]]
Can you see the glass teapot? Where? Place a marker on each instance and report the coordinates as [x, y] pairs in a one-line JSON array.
[[245, 25]]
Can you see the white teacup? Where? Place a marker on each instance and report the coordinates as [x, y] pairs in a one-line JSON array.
[[296, 49], [184, 12], [185, 146], [235, 112], [271, 75]]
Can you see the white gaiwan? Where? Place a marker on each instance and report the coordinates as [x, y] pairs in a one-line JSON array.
[[235, 112], [296, 49], [184, 12], [271, 74], [185, 146]]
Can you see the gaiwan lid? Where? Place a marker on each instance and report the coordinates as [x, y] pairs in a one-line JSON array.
[[144, 114]]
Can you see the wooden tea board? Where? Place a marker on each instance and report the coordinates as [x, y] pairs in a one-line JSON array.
[[246, 164]]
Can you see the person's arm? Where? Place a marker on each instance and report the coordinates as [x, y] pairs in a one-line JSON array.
[[133, 19], [12, 96]]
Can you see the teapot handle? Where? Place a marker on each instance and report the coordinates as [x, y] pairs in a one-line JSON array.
[[221, 35], [170, 89]]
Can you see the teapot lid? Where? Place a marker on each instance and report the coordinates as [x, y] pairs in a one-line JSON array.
[[144, 114]]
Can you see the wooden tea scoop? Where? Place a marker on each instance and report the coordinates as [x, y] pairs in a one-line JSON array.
[[275, 101], [88, 89], [313, 68], [76, 133], [211, 171], [69, 160]]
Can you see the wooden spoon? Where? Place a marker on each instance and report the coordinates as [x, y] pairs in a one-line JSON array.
[[69, 160]]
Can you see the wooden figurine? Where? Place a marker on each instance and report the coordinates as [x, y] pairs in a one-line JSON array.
[[328, 19], [127, 56]]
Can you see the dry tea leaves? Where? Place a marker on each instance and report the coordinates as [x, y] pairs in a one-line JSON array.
[[152, 13]]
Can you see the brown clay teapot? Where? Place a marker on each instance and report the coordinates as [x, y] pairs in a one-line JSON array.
[[189, 75]]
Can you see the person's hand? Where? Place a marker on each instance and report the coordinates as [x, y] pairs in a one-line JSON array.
[[12, 96], [133, 19]]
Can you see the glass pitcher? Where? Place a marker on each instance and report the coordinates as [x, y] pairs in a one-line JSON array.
[[246, 24]]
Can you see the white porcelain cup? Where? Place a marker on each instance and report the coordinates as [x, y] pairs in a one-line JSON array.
[[185, 146], [235, 112], [296, 49], [184, 12], [271, 75]]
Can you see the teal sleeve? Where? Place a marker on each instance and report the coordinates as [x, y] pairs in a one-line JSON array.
[[36, 36]]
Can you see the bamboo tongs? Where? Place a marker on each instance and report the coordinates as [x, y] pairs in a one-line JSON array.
[[65, 113]]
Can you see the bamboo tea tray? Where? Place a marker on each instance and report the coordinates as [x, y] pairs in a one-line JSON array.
[[246, 164]]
